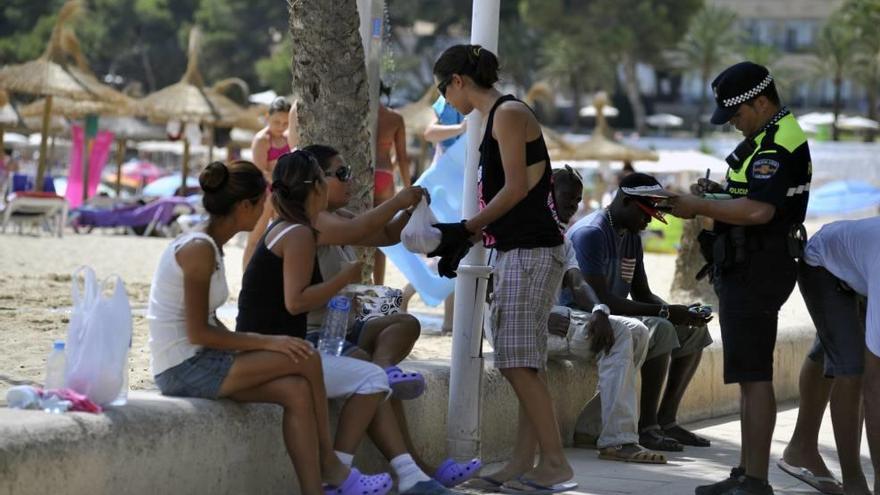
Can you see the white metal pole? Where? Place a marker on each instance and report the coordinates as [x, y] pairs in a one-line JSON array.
[[466, 375]]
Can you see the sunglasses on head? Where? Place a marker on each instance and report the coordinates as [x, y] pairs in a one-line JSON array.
[[441, 87], [342, 174]]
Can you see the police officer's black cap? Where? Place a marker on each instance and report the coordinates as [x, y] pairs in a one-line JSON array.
[[736, 85]]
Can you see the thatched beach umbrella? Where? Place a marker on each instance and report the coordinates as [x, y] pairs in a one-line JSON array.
[[599, 146], [52, 76], [108, 101], [189, 101]]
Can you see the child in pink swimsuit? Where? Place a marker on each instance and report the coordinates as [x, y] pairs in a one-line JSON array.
[[278, 137]]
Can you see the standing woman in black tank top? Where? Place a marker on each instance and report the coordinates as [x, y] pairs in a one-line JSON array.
[[517, 218]]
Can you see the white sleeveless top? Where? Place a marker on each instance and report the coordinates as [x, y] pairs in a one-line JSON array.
[[166, 316]]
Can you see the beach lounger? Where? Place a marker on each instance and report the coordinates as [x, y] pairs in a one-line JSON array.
[[156, 216], [44, 210]]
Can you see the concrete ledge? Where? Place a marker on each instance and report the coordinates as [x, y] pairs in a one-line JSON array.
[[160, 445]]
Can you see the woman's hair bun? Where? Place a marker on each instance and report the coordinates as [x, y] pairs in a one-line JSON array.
[[214, 177]]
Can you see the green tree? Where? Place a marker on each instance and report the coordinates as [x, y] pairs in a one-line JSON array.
[[836, 49], [641, 31], [627, 31], [707, 47], [863, 17], [25, 27], [570, 51], [274, 71], [239, 33]]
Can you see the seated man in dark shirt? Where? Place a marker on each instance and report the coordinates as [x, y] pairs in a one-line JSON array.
[[609, 252]]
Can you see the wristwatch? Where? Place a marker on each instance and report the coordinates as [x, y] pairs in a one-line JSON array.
[[664, 311], [603, 308]]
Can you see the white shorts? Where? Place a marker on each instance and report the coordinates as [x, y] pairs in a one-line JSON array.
[[345, 376]]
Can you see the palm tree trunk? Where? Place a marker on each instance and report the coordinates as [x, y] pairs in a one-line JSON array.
[[631, 84], [872, 108], [838, 84], [576, 102], [701, 106], [330, 82], [689, 261]]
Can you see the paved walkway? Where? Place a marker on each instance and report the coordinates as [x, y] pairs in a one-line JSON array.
[[697, 466]]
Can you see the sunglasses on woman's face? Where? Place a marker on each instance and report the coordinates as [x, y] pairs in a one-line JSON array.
[[441, 87], [342, 174]]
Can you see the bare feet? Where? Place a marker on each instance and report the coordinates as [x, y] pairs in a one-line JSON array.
[[549, 474], [810, 460]]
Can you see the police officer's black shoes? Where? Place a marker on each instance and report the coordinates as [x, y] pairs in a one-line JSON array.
[[722, 486], [750, 486]]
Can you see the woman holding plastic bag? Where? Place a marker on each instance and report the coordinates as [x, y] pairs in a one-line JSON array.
[[195, 355], [517, 218]]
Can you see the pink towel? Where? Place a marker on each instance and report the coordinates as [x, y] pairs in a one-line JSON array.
[[97, 159]]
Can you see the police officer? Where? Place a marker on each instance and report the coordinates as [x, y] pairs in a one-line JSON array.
[[758, 234]]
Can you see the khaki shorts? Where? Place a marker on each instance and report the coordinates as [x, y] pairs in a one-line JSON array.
[[681, 340]]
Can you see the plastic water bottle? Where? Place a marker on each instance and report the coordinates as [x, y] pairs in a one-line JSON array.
[[335, 326], [56, 366]]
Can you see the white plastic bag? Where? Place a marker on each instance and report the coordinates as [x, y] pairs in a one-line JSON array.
[[419, 235], [98, 337]]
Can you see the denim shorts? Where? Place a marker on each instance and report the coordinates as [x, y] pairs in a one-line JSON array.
[[199, 376], [839, 316]]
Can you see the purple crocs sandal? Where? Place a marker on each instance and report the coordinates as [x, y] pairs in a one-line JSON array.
[[405, 386], [452, 473], [361, 484]]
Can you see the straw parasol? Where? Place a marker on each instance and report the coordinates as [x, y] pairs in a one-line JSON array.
[[108, 101], [599, 146], [9, 117], [189, 101], [52, 76]]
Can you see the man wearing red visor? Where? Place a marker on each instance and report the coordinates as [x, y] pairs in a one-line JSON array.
[[610, 255]]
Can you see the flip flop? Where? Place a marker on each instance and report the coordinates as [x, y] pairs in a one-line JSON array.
[[685, 437], [639, 456], [824, 484], [405, 386], [360, 484], [452, 473], [485, 484], [523, 485]]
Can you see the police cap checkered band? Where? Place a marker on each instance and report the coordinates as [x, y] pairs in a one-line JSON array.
[[736, 85], [748, 95]]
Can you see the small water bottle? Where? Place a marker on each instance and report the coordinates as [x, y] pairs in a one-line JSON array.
[[56, 366], [335, 326]]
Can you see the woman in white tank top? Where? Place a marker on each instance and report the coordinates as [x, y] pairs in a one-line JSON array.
[[195, 355]]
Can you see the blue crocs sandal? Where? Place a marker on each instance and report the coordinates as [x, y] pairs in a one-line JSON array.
[[452, 473], [405, 386], [361, 484]]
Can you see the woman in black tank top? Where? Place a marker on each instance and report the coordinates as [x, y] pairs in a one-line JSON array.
[[518, 219], [282, 283]]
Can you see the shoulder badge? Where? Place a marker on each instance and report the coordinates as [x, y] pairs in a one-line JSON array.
[[764, 168]]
